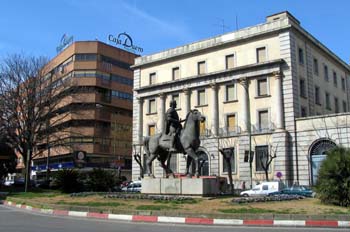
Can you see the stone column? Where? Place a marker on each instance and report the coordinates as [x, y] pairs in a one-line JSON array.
[[215, 109], [161, 112], [140, 119], [278, 100], [187, 93], [244, 114]]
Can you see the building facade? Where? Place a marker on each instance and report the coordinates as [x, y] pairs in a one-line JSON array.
[[96, 117], [252, 85]]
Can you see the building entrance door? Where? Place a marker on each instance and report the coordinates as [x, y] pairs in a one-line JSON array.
[[318, 153]]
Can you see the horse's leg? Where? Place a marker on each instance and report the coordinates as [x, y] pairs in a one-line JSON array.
[[193, 156], [149, 161], [168, 169], [163, 164], [188, 165], [197, 161]]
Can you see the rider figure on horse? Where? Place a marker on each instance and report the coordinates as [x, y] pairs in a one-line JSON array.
[[173, 125]]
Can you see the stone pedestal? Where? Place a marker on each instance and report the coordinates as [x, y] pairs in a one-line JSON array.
[[152, 185], [204, 186], [170, 186]]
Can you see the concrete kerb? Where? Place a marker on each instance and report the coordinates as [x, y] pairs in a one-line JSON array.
[[185, 220]]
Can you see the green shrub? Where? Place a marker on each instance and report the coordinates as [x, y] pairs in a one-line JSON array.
[[68, 181], [333, 184], [100, 180]]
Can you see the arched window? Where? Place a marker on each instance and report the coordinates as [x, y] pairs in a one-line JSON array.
[[318, 152]]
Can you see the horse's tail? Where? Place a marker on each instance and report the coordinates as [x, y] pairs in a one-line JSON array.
[[146, 144]]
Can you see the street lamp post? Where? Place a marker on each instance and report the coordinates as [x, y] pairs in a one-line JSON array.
[[48, 162], [27, 172]]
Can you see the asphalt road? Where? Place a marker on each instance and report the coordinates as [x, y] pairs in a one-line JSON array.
[[17, 220]]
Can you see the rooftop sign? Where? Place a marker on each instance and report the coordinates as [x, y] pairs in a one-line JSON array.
[[125, 40], [65, 41]]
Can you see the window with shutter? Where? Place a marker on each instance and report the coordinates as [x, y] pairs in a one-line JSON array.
[[261, 54], [261, 153], [201, 97], [151, 130], [201, 67], [230, 93], [176, 73], [230, 61], [263, 120], [231, 122], [262, 87], [152, 78], [152, 106]]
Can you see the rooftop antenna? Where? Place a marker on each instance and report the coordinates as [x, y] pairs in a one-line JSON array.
[[222, 25]]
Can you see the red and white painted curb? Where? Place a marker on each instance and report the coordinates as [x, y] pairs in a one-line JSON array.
[[186, 220]]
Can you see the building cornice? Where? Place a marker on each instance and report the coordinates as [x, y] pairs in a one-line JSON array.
[[213, 43], [249, 71], [228, 39]]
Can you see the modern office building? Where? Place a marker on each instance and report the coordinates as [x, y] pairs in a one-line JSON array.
[[260, 88], [96, 117]]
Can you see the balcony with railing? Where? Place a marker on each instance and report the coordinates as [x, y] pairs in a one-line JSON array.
[[229, 131], [263, 128]]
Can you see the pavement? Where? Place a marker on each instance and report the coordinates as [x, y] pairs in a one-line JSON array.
[[183, 220]]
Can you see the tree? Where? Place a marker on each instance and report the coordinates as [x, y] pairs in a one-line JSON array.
[[7, 161], [333, 185], [30, 95], [226, 148], [228, 155], [265, 156], [100, 180], [267, 160], [68, 180]]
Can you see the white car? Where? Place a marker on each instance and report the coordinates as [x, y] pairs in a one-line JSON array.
[[134, 186], [8, 182], [263, 189]]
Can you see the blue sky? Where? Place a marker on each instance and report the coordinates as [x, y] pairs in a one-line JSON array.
[[35, 27]]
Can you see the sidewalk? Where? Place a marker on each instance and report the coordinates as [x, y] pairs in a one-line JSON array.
[[185, 220]]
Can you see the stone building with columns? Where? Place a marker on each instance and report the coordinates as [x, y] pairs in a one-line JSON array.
[[252, 85]]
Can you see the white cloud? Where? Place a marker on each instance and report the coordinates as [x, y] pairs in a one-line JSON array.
[[175, 29]]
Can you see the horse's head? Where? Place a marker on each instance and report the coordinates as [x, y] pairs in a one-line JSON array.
[[197, 116]]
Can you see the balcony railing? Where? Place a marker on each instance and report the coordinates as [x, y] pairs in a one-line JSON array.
[[229, 131], [260, 128]]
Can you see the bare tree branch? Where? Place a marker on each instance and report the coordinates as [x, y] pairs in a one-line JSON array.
[[30, 101]]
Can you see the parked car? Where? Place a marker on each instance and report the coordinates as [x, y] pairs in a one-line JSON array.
[[8, 182], [263, 189], [125, 184], [134, 186], [297, 190], [21, 182]]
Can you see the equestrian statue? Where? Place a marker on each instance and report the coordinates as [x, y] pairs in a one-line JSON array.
[[175, 139]]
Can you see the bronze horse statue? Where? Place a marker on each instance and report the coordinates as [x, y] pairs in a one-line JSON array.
[[157, 146]]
